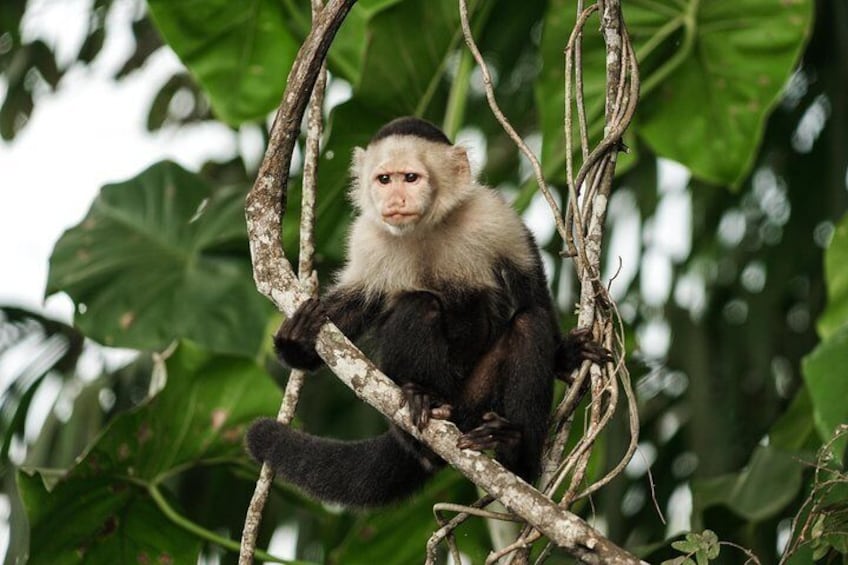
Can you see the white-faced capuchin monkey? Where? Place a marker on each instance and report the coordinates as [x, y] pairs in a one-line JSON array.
[[448, 281]]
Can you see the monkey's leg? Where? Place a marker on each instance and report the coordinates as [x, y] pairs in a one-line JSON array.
[[524, 394], [415, 354]]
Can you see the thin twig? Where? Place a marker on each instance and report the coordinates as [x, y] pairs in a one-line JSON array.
[[572, 213], [507, 126], [632, 411], [751, 557], [520, 543], [447, 527]]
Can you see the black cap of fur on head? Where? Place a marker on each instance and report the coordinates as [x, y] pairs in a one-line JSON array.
[[415, 127]]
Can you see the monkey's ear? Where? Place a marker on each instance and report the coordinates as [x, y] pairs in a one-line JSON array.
[[461, 165], [358, 156], [356, 162]]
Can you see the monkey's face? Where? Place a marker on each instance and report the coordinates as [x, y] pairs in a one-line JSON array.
[[395, 187], [401, 194]]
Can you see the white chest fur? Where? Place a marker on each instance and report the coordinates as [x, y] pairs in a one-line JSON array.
[[461, 251]]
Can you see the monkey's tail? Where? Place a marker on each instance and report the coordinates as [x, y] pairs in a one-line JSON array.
[[363, 473]]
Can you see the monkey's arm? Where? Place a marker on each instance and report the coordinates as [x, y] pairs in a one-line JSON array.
[[347, 308]]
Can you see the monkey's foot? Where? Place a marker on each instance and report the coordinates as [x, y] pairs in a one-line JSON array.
[[578, 346], [423, 405], [294, 342], [495, 431]]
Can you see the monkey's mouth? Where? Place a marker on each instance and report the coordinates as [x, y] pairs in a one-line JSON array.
[[400, 218]]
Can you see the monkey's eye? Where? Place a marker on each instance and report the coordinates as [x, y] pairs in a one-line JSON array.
[[383, 179], [410, 177]]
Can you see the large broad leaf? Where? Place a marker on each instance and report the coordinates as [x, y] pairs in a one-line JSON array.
[[241, 52], [160, 257], [711, 72], [836, 275], [794, 430], [824, 372], [825, 368], [351, 42], [99, 522], [709, 111], [401, 70], [101, 510], [769, 482]]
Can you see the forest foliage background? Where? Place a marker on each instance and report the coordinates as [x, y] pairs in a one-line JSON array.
[[737, 330]]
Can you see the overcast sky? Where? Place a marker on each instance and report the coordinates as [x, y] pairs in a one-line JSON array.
[[88, 133]]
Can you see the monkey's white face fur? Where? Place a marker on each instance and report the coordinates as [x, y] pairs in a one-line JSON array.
[[423, 218], [403, 182]]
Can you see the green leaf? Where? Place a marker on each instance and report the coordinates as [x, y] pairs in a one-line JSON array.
[[101, 509], [240, 52], [795, 426], [836, 275], [803, 556], [704, 546], [686, 546], [711, 72], [725, 75], [824, 372], [200, 416], [820, 548], [161, 257], [401, 72], [351, 42], [100, 521], [769, 482], [711, 546]]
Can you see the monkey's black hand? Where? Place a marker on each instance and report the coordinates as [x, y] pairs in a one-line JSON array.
[[294, 342], [495, 431], [576, 347], [423, 406]]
